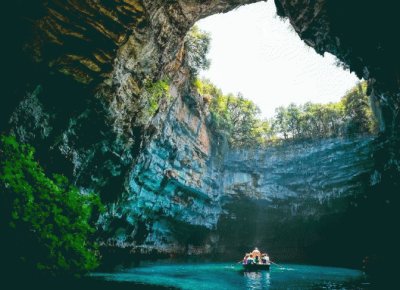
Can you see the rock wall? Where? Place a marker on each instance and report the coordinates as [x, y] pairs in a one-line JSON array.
[[171, 203], [284, 197], [317, 170]]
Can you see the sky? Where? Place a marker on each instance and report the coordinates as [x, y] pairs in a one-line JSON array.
[[256, 53]]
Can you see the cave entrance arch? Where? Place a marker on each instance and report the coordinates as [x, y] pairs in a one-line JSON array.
[[110, 49]]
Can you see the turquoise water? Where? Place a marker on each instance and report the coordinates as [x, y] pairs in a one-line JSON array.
[[227, 276]]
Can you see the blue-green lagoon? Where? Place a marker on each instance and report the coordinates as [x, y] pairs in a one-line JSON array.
[[215, 276]]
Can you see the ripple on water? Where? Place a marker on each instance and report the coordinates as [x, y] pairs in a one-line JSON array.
[[227, 276]]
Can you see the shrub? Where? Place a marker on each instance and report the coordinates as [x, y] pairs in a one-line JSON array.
[[154, 93], [46, 223]]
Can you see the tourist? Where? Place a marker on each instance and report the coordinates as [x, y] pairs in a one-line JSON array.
[[265, 258], [245, 258], [250, 259], [256, 252]]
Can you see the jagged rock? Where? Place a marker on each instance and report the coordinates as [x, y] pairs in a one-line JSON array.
[[125, 42]]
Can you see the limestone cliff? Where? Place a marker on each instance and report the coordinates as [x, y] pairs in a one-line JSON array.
[[172, 196], [284, 197]]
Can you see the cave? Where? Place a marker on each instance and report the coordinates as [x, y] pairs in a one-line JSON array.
[[75, 81]]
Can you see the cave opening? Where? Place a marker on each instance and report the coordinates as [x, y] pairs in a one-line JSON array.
[[104, 93], [255, 52]]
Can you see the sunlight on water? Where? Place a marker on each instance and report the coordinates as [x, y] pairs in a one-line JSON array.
[[227, 276]]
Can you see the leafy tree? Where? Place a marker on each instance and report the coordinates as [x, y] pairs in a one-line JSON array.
[[294, 120], [197, 45], [206, 87], [264, 132], [281, 122], [46, 223], [243, 115], [236, 121], [322, 120], [352, 115], [334, 116], [358, 111]]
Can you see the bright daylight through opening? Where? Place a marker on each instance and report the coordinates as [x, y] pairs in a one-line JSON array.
[[256, 53]]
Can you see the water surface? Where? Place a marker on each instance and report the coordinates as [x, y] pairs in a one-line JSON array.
[[230, 276]]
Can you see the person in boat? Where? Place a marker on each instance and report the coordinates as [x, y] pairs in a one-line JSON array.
[[256, 253], [257, 260], [265, 258], [245, 258], [250, 260]]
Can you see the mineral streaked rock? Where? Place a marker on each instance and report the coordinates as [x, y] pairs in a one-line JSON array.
[[79, 38], [317, 170], [173, 185]]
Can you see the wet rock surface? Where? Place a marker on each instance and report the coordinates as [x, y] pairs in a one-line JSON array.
[[284, 197], [172, 198]]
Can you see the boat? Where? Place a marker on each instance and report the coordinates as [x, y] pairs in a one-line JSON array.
[[256, 267], [260, 261]]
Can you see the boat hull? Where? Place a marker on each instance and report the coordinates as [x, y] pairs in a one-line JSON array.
[[256, 267]]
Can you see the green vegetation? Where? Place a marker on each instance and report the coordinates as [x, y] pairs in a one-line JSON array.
[[351, 115], [236, 120], [154, 94], [359, 116], [46, 223], [309, 120], [197, 45]]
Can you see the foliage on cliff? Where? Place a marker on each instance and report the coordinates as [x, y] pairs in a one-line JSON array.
[[359, 117], [197, 45], [236, 120], [351, 115], [46, 223], [154, 94]]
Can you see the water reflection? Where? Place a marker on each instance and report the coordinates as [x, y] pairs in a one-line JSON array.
[[257, 279]]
